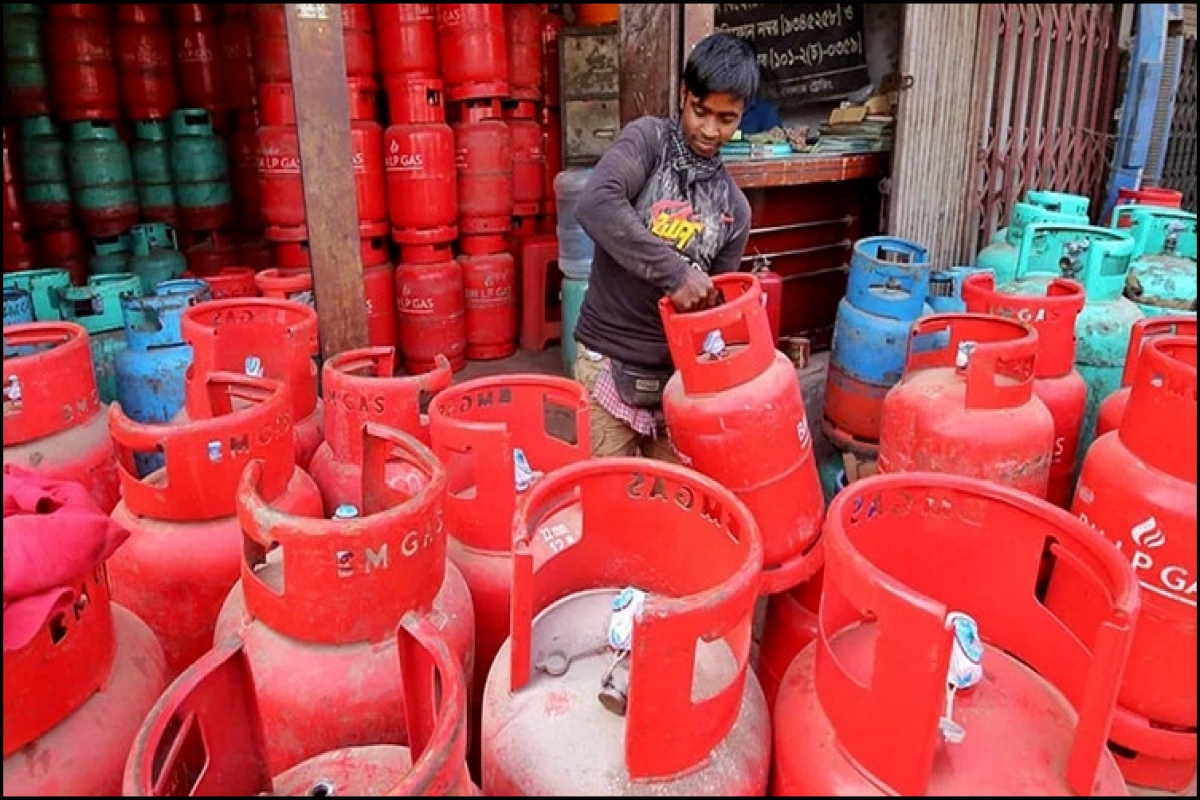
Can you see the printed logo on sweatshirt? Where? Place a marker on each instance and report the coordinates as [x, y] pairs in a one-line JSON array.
[[675, 221]]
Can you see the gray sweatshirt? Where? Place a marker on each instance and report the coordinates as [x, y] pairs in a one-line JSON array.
[[647, 221]]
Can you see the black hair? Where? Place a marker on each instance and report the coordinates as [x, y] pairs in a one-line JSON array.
[[723, 64]]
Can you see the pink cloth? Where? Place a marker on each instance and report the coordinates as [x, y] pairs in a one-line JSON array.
[[606, 394], [53, 533]]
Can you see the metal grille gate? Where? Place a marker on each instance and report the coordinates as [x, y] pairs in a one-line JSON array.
[[1179, 170], [1045, 85]]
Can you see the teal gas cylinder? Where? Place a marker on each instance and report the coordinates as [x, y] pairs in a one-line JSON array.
[[43, 286], [18, 308], [152, 171], [97, 307], [202, 192], [44, 181], [25, 92], [111, 256], [154, 255], [1037, 206], [101, 174], [1162, 278]]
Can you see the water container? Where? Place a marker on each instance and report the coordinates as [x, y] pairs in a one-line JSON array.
[[573, 291], [574, 247]]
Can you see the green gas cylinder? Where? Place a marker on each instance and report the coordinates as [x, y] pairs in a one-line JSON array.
[[152, 171], [1038, 206], [200, 172], [155, 255], [111, 256], [43, 286], [43, 165], [97, 307], [101, 174], [1162, 278], [1099, 258], [25, 92]]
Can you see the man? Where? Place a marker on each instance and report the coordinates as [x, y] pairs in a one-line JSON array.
[[664, 215]]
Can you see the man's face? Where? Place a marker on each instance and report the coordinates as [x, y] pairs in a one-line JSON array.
[[711, 122]]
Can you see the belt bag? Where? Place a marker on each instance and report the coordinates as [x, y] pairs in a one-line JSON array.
[[638, 386]]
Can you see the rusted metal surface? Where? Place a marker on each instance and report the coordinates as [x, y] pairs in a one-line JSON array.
[[1179, 171], [650, 42], [1044, 88], [318, 62], [929, 192]]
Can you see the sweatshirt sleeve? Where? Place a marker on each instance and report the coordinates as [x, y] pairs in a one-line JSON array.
[[605, 209], [729, 257]]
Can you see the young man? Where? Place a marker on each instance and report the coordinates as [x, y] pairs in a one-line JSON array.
[[664, 215]]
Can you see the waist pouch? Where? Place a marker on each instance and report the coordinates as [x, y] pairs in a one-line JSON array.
[[638, 386]]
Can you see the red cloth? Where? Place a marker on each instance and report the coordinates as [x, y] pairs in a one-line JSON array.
[[53, 533]]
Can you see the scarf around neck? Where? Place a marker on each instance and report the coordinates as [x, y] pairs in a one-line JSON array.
[[685, 161]]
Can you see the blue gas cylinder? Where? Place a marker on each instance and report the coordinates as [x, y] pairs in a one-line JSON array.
[[1037, 206], [573, 291], [18, 307], [1099, 258], [150, 370], [886, 290], [945, 289], [1162, 277]]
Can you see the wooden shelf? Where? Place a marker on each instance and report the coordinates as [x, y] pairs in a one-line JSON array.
[[801, 169]]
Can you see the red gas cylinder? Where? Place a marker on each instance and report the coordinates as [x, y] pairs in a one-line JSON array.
[[18, 250], [236, 57], [145, 61], [1149, 196], [230, 282], [865, 710], [1112, 409], [477, 429], [358, 41], [563, 714], [1137, 488], [79, 62], [731, 415], [14, 210], [523, 37], [552, 23], [483, 159], [53, 420], [528, 159], [287, 284], [348, 580], [431, 318], [282, 186], [361, 387], [297, 255], [489, 289], [197, 46], [217, 698], [789, 627], [1056, 382], [75, 694], [771, 284], [64, 249], [472, 50], [406, 40], [379, 292], [552, 150], [272, 64], [419, 159], [966, 406], [242, 145], [276, 339], [185, 545], [211, 251]]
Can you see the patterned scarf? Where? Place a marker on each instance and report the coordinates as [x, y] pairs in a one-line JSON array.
[[691, 167]]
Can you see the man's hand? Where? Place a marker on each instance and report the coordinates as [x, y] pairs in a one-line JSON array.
[[696, 292]]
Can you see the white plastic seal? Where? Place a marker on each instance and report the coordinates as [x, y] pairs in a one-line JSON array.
[[626, 607], [965, 670], [714, 344], [523, 474]]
